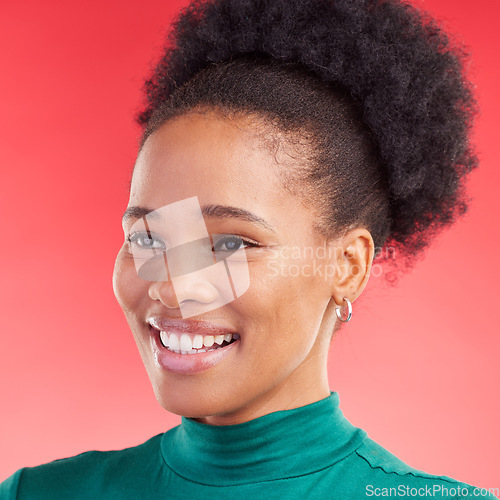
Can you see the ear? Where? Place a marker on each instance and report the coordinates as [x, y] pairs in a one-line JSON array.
[[354, 256]]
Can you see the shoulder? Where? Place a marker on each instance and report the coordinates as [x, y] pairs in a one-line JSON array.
[[387, 475], [85, 475]]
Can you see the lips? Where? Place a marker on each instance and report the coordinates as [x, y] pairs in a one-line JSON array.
[[191, 327], [192, 360]]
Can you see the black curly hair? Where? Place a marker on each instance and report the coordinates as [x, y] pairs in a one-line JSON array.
[[375, 89]]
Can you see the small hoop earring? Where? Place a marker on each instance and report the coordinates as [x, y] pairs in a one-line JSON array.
[[349, 311]]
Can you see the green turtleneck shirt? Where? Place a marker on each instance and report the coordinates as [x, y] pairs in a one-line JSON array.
[[311, 452]]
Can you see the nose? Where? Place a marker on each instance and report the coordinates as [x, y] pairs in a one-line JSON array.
[[177, 291], [189, 276]]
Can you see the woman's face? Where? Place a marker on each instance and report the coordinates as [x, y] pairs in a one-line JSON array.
[[283, 319]]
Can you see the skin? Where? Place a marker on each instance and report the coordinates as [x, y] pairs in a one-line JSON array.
[[285, 322]]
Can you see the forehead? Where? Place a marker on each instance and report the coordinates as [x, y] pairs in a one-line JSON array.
[[208, 156]]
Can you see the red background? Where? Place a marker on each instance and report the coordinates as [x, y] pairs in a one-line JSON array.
[[417, 366]]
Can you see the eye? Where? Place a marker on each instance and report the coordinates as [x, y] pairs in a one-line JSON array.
[[145, 242], [231, 243]]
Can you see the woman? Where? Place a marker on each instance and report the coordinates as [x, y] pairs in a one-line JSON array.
[[285, 145]]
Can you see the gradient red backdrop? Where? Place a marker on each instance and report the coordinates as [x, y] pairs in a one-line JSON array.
[[417, 367]]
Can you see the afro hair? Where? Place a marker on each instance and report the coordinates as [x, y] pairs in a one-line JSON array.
[[397, 65]]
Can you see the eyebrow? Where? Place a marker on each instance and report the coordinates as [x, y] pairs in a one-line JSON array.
[[219, 211], [138, 212]]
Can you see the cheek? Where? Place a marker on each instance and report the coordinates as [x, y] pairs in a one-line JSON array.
[[128, 288], [281, 303], [300, 298], [280, 323]]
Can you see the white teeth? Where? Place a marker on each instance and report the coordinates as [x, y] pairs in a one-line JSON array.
[[186, 343], [173, 342], [198, 341], [208, 340], [164, 338]]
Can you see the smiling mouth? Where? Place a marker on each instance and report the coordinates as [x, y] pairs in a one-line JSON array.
[[184, 343]]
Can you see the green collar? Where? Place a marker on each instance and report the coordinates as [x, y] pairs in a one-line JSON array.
[[282, 444]]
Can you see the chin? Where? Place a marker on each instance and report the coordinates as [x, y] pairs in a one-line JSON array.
[[187, 404]]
